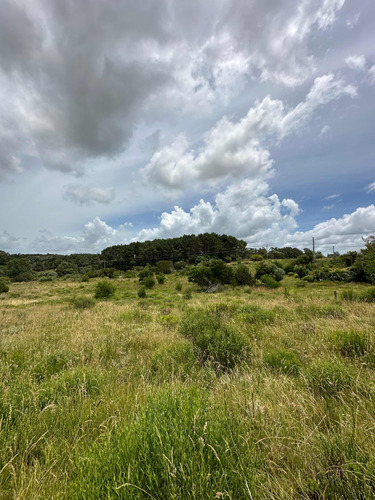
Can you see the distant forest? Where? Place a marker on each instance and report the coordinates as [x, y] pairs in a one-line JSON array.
[[175, 253]]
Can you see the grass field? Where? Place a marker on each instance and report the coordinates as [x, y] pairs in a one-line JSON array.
[[247, 393]]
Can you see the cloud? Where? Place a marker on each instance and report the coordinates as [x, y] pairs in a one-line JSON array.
[[95, 236], [263, 220], [331, 197], [353, 21], [234, 149], [345, 232], [88, 195], [371, 187], [371, 73], [78, 80], [245, 209], [356, 62]]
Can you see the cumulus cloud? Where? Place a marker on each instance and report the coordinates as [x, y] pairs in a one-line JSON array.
[[80, 77], [245, 209], [264, 220], [345, 232], [356, 62], [88, 195], [234, 149], [95, 236]]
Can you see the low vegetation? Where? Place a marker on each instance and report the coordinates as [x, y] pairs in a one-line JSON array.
[[111, 389]]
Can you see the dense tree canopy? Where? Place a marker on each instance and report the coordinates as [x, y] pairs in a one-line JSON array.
[[185, 248]]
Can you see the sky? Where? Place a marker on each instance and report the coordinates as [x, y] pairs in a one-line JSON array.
[[124, 121]]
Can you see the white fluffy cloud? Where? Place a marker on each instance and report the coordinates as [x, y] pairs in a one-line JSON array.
[[345, 233], [95, 236], [356, 62], [245, 209], [88, 195], [235, 149]]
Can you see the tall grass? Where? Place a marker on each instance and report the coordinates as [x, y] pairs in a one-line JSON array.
[[267, 395]]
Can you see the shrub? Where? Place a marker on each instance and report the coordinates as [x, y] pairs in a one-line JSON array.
[[48, 276], [302, 271], [104, 289], [85, 278], [4, 288], [160, 278], [256, 258], [142, 293], [214, 273], [213, 340], [270, 282], [165, 266], [288, 268], [270, 269], [178, 286], [149, 282], [351, 344], [82, 302], [308, 279], [282, 361], [242, 276], [180, 264], [145, 273], [329, 377]]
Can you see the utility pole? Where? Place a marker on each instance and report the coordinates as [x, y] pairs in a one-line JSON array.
[[333, 250]]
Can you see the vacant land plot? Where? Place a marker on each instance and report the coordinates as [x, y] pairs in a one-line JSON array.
[[247, 393]]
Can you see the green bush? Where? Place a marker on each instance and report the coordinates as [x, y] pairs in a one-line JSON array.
[[178, 286], [4, 288], [270, 282], [104, 290], [82, 302], [160, 278], [351, 344], [242, 276], [180, 264], [149, 282], [214, 341], [301, 271], [282, 361], [214, 273], [256, 257], [165, 266], [269, 269], [48, 276], [142, 293]]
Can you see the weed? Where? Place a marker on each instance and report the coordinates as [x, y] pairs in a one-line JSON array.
[[82, 302], [329, 377], [352, 344], [213, 340], [283, 362]]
